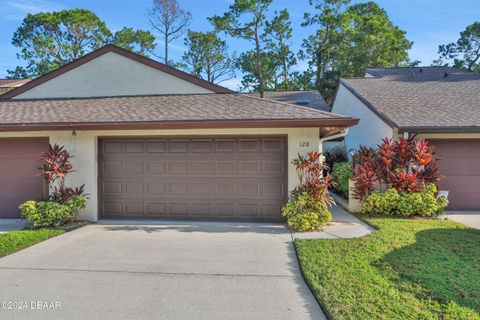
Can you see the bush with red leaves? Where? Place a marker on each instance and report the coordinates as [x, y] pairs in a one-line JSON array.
[[311, 177], [56, 166], [405, 164]]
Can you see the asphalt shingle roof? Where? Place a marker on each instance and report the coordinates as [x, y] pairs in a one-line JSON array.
[[312, 98], [154, 108], [408, 97]]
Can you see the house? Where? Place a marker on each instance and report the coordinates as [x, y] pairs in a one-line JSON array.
[[309, 98], [151, 141], [8, 84], [439, 104]]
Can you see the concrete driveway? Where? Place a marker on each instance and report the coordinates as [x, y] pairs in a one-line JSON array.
[[160, 270]]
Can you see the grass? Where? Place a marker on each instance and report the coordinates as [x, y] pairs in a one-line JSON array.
[[407, 269], [14, 241]]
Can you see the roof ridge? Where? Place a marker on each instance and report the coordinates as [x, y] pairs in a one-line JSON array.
[[125, 53]]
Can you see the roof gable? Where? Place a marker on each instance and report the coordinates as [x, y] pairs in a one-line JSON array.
[[110, 71], [431, 100]]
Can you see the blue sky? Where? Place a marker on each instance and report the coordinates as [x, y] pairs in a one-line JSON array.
[[428, 23]]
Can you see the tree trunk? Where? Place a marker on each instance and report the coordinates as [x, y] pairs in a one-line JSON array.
[[285, 74], [166, 50], [259, 64], [318, 72]]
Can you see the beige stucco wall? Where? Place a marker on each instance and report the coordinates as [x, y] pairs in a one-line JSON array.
[[112, 75], [85, 149], [370, 130]]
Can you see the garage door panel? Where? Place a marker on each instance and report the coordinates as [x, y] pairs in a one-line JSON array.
[[225, 145], [156, 146], [178, 146], [273, 145], [459, 163], [19, 163], [460, 183], [109, 147], [225, 167], [203, 146], [112, 168], [201, 209], [457, 148], [198, 177], [460, 166], [134, 208], [158, 209], [28, 170], [156, 188], [178, 167]]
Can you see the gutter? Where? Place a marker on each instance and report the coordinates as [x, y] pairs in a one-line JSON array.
[[432, 129]]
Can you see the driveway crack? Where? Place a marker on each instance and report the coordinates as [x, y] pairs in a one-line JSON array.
[[186, 274]]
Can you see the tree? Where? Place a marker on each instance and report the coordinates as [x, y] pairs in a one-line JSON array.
[[247, 63], [465, 53], [50, 40], [18, 73], [138, 41], [372, 41], [277, 33], [349, 40], [170, 20], [246, 19], [207, 57], [302, 80], [321, 47]]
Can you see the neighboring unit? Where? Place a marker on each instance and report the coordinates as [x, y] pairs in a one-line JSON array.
[[309, 98], [9, 84], [437, 103], [151, 141]]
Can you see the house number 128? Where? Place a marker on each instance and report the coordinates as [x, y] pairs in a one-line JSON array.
[[304, 144]]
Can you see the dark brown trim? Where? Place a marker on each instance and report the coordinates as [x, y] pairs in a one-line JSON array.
[[128, 54], [431, 129], [195, 124], [369, 105]]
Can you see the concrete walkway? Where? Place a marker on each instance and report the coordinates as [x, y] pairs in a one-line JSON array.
[[343, 225], [7, 225], [470, 219]]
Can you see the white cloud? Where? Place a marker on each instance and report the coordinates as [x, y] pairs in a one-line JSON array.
[[33, 6], [16, 10]]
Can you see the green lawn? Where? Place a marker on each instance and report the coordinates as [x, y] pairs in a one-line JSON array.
[[11, 242], [408, 269]]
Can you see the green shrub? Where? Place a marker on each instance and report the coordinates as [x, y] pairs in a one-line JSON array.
[[306, 214], [393, 203], [342, 173], [51, 213]]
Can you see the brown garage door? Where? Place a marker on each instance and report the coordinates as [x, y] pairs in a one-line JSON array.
[[19, 173], [460, 164], [218, 178]]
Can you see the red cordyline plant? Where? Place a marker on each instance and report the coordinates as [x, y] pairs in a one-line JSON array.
[[311, 177], [404, 164], [56, 166], [364, 181]]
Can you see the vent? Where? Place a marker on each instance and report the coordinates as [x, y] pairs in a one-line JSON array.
[[302, 102]]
